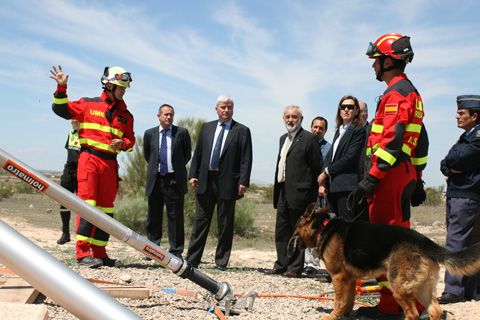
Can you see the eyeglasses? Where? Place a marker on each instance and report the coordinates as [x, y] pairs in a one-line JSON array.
[[347, 106]]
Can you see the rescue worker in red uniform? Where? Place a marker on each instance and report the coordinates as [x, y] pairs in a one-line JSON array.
[[69, 177], [391, 179], [106, 128]]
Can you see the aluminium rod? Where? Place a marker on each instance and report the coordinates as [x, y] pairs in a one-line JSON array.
[[111, 226], [57, 281]]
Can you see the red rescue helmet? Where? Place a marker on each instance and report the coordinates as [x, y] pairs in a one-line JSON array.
[[392, 44]]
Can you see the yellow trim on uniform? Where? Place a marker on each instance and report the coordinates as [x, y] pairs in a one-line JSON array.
[[98, 145], [99, 127], [60, 100], [106, 209], [412, 127], [372, 149], [384, 284], [386, 156], [96, 242], [377, 128], [419, 161], [406, 149], [91, 202]]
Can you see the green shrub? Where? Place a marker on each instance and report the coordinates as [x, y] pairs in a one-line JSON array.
[[434, 196], [132, 212], [268, 193], [6, 190], [24, 188], [244, 218]]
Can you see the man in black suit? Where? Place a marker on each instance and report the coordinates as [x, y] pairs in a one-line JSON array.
[[298, 165], [220, 172], [167, 149]]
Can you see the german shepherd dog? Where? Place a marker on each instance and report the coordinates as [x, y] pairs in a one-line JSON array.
[[361, 250]]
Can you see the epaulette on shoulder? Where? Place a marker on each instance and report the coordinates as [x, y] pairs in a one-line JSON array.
[[126, 111], [404, 87], [96, 99]]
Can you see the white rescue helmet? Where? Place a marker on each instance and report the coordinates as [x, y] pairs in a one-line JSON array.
[[117, 76]]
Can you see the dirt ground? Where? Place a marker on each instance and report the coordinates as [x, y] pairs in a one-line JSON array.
[[244, 275]]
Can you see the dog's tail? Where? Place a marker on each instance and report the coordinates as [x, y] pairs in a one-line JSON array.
[[465, 262]]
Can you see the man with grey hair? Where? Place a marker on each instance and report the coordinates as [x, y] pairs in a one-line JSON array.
[[299, 163], [220, 173]]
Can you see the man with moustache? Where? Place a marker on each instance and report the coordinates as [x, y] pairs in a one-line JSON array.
[[461, 166], [298, 165]]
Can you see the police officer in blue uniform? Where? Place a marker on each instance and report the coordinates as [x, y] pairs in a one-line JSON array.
[[461, 166]]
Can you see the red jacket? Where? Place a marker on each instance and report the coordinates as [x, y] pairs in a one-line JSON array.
[[396, 127], [95, 129]]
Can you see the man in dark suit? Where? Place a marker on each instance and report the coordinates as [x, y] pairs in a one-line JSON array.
[[167, 149], [220, 172], [298, 165]]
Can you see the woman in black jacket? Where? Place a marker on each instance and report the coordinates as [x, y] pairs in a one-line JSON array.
[[343, 167]]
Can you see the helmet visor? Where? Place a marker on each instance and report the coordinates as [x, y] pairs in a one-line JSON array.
[[373, 50], [124, 77]]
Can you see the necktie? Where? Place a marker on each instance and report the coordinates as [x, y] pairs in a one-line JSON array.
[[163, 154], [216, 151], [283, 158]]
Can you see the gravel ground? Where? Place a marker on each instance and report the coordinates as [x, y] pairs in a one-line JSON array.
[[245, 274]]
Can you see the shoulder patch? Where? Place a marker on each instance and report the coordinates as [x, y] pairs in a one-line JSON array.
[[122, 119], [478, 133], [391, 108]]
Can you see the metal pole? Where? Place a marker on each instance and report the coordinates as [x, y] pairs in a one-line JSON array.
[[56, 280], [96, 217]]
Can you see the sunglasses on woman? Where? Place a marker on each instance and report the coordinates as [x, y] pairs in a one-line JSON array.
[[347, 106]]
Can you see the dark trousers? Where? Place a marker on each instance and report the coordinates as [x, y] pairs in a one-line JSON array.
[[165, 193], [284, 227], [205, 206], [338, 203], [461, 216], [68, 180]]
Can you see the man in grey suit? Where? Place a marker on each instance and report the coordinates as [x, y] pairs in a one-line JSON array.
[[220, 173], [167, 149], [298, 165]]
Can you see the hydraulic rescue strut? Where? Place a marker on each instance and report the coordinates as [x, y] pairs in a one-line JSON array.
[[221, 291]]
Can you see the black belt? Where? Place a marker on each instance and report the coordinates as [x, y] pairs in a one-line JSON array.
[[213, 173], [98, 153]]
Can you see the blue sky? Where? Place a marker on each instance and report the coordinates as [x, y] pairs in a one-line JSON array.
[[265, 54]]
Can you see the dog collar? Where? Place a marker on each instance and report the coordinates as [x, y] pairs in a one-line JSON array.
[[319, 231]]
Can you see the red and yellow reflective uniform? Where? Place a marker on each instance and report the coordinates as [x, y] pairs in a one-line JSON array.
[[101, 121], [392, 145]]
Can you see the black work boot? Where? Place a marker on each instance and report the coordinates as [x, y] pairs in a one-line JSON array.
[[64, 238]]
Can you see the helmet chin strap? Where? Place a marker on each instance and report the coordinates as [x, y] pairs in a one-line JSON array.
[[380, 73], [112, 91]]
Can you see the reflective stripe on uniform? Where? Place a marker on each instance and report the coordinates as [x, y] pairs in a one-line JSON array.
[[412, 127], [385, 156], [60, 100], [96, 126], [419, 161], [96, 242], [98, 145]]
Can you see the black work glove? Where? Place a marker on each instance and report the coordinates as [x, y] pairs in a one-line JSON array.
[[419, 195], [367, 186], [364, 189]]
